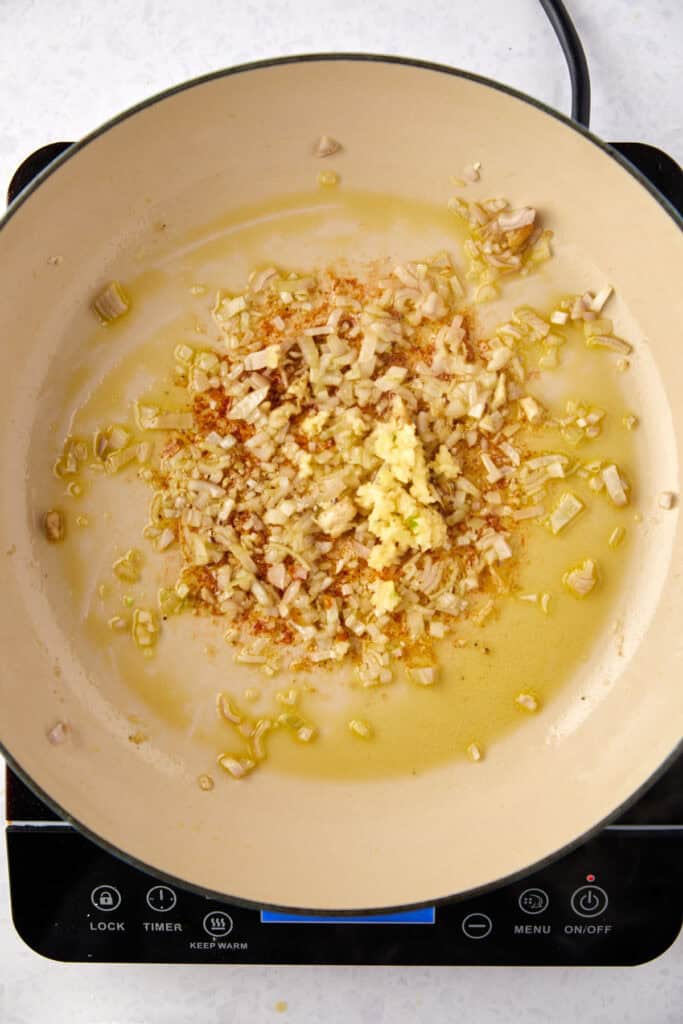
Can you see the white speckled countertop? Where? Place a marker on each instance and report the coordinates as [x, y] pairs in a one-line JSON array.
[[66, 67]]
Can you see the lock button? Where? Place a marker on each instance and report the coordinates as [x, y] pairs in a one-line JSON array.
[[106, 898]]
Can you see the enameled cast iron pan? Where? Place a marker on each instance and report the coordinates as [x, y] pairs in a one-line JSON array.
[[236, 138]]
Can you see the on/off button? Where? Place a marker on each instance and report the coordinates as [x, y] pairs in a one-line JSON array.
[[589, 901]]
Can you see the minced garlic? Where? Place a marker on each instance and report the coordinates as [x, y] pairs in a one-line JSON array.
[[129, 567], [145, 628]]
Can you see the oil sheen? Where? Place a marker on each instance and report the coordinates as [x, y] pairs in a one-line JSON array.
[[172, 280]]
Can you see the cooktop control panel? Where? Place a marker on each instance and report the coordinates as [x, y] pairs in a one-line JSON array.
[[618, 899]]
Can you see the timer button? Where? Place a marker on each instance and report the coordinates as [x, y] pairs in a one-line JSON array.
[[589, 901], [161, 899]]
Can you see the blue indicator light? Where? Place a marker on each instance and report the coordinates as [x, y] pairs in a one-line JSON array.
[[424, 915]]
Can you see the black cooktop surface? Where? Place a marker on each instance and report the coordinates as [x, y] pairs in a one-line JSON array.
[[618, 899]]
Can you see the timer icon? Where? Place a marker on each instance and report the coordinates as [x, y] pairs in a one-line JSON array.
[[161, 899]]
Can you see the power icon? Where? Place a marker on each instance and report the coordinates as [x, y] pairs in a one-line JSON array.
[[589, 901]]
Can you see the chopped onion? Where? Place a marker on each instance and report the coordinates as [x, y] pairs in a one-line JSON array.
[[360, 728], [326, 146], [581, 580], [58, 734], [601, 298], [237, 767], [610, 342], [227, 709], [526, 701], [243, 409], [54, 525], [565, 512], [616, 536], [424, 675], [112, 303], [615, 485]]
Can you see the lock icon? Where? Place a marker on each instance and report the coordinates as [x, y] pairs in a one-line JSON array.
[[105, 897]]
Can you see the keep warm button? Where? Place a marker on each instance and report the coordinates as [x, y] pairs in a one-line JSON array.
[[589, 901]]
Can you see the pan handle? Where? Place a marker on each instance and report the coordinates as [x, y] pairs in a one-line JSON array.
[[32, 166], [567, 35]]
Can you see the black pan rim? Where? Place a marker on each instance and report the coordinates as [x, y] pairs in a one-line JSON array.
[[312, 58], [25, 195]]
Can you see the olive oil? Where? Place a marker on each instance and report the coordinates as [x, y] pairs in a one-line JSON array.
[[520, 648]]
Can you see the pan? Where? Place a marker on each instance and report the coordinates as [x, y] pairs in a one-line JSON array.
[[224, 166]]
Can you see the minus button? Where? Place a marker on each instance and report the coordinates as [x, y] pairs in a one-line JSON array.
[[477, 926]]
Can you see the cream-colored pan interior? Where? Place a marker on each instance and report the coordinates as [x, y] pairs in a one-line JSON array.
[[332, 844]]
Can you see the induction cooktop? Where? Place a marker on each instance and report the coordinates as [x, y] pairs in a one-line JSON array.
[[617, 899]]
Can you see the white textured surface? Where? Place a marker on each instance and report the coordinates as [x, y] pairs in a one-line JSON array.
[[66, 67]]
